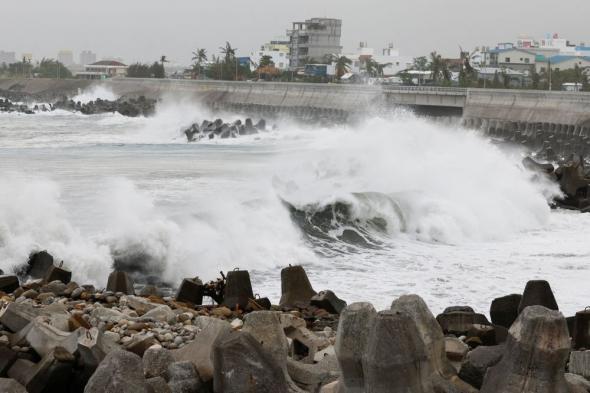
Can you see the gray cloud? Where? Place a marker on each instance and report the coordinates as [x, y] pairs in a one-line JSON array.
[[146, 29]]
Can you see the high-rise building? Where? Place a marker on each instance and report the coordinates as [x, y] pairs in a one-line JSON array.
[[65, 57], [7, 57], [311, 41], [87, 57]]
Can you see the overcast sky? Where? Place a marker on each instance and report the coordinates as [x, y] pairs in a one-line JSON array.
[[145, 29]]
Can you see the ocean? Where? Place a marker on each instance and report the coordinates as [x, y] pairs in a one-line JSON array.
[[388, 206]]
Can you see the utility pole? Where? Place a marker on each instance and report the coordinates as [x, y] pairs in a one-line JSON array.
[[550, 87]]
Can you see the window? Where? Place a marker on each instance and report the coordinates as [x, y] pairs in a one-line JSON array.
[[527, 60], [507, 60]]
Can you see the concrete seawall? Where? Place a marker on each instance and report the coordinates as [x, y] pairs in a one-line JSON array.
[[483, 108]]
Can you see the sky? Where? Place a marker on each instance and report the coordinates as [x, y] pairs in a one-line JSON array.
[[143, 30]]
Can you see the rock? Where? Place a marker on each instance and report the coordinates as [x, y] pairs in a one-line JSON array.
[[161, 313], [93, 346], [458, 308], [577, 383], [537, 293], [311, 376], [155, 361], [139, 304], [9, 385], [295, 287], [455, 349], [351, 341], [237, 324], [38, 265], [332, 387], [8, 284], [238, 289], [55, 273], [305, 344], [183, 378], [107, 314], [328, 301], [477, 362], [120, 282], [119, 372], [485, 334], [18, 315], [241, 366], [140, 343], [535, 356], [265, 326], [581, 330], [221, 312], [55, 287], [150, 290], [30, 294], [580, 363], [158, 385], [54, 370], [43, 337], [7, 359], [504, 310], [190, 291], [459, 322], [199, 351]]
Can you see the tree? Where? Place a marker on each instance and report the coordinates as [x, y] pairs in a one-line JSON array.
[[199, 57], [230, 67], [50, 68], [342, 65], [157, 70], [139, 70], [420, 63], [266, 61], [535, 77], [439, 69]]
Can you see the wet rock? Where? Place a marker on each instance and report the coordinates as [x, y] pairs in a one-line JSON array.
[[477, 362], [38, 265], [295, 287], [119, 372], [535, 355], [155, 361], [55, 287], [150, 290], [328, 301], [241, 365], [120, 282], [158, 385], [455, 349], [238, 289], [580, 363], [55, 273], [351, 341], [581, 330], [9, 385], [504, 310], [538, 293], [459, 322], [190, 291], [8, 284], [199, 351], [52, 373], [183, 378]]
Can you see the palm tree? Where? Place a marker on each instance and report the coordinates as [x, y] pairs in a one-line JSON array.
[[199, 57], [342, 66], [228, 52], [439, 68]]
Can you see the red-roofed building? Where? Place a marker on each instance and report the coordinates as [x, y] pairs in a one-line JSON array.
[[103, 69]]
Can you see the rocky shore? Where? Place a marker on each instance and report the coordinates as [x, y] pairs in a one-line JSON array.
[[219, 129], [59, 336]]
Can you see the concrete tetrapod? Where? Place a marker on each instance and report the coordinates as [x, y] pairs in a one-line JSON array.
[[242, 366], [534, 359], [295, 287], [351, 342], [537, 293], [266, 327]]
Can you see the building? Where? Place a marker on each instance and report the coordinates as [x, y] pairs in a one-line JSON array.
[[87, 57], [278, 51], [103, 69], [28, 57], [311, 41], [562, 62], [7, 57], [388, 57], [65, 57], [513, 58]]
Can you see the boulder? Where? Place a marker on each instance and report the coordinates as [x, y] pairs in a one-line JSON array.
[[183, 378], [43, 337], [161, 313], [456, 351], [190, 291], [140, 343], [120, 282], [504, 310], [158, 385], [535, 355], [351, 341], [242, 365], [52, 374], [139, 304], [7, 359], [9, 385], [312, 376], [580, 363], [156, 360], [328, 301], [199, 351], [55, 287], [577, 383], [581, 330], [238, 289], [537, 293], [119, 372], [459, 322], [18, 315], [477, 362], [8, 284], [55, 273], [93, 346], [295, 287]]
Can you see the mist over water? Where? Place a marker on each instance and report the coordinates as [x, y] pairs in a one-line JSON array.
[[394, 205]]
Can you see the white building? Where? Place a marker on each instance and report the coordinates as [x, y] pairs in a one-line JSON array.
[[7, 57], [389, 56], [87, 57], [278, 51], [65, 57], [103, 69]]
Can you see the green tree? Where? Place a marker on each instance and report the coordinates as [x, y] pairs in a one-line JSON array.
[[420, 63], [439, 69], [535, 77], [50, 68], [199, 57], [157, 70], [266, 61], [139, 70], [342, 65]]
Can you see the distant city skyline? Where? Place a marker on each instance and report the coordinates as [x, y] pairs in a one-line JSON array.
[[142, 31]]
